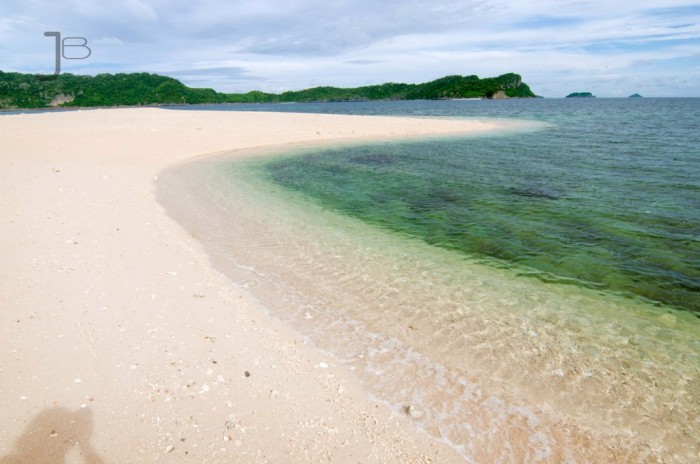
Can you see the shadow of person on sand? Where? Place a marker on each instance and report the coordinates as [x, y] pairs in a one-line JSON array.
[[51, 435]]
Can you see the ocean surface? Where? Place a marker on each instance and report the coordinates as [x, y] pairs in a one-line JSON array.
[[530, 296]]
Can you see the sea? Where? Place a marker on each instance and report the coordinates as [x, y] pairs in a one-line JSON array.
[[530, 295]]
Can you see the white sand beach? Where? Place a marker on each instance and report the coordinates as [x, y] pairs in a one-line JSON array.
[[122, 344]]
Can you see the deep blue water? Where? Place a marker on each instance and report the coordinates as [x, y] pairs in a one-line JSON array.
[[607, 195]]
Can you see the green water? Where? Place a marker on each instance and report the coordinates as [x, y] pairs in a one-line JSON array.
[[607, 196]]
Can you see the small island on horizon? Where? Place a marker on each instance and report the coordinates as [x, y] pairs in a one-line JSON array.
[[19, 90], [580, 95], [635, 95]]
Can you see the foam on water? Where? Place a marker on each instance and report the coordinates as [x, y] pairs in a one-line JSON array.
[[505, 369]]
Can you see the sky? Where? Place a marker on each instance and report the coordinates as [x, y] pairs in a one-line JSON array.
[[610, 48]]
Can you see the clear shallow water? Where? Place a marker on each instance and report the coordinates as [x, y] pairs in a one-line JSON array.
[[607, 197], [501, 367]]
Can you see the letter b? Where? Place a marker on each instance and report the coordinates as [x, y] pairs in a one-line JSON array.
[[65, 45]]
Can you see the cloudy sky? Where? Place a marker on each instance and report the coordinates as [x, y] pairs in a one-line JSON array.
[[611, 48]]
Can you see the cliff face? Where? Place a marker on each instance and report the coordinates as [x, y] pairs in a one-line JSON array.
[[61, 99], [510, 81], [513, 86]]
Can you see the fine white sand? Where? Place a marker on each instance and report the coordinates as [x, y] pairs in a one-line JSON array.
[[121, 344]]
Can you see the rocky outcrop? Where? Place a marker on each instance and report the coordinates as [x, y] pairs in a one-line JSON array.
[[60, 99]]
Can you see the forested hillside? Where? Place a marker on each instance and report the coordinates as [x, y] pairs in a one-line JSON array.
[[19, 90]]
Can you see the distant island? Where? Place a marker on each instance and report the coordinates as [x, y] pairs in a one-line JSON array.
[[635, 95], [580, 95], [18, 90]]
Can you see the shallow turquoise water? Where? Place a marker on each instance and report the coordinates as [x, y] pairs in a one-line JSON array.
[[500, 366], [607, 196]]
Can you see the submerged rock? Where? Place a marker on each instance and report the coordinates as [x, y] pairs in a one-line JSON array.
[[536, 192]]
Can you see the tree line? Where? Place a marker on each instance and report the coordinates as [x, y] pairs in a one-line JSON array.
[[19, 90]]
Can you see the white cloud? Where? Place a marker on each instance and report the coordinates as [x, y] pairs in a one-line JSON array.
[[108, 41]]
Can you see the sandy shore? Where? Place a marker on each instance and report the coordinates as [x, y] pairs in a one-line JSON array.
[[120, 343]]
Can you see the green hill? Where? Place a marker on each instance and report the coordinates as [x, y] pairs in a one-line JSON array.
[[580, 95], [511, 85], [35, 91], [19, 90]]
